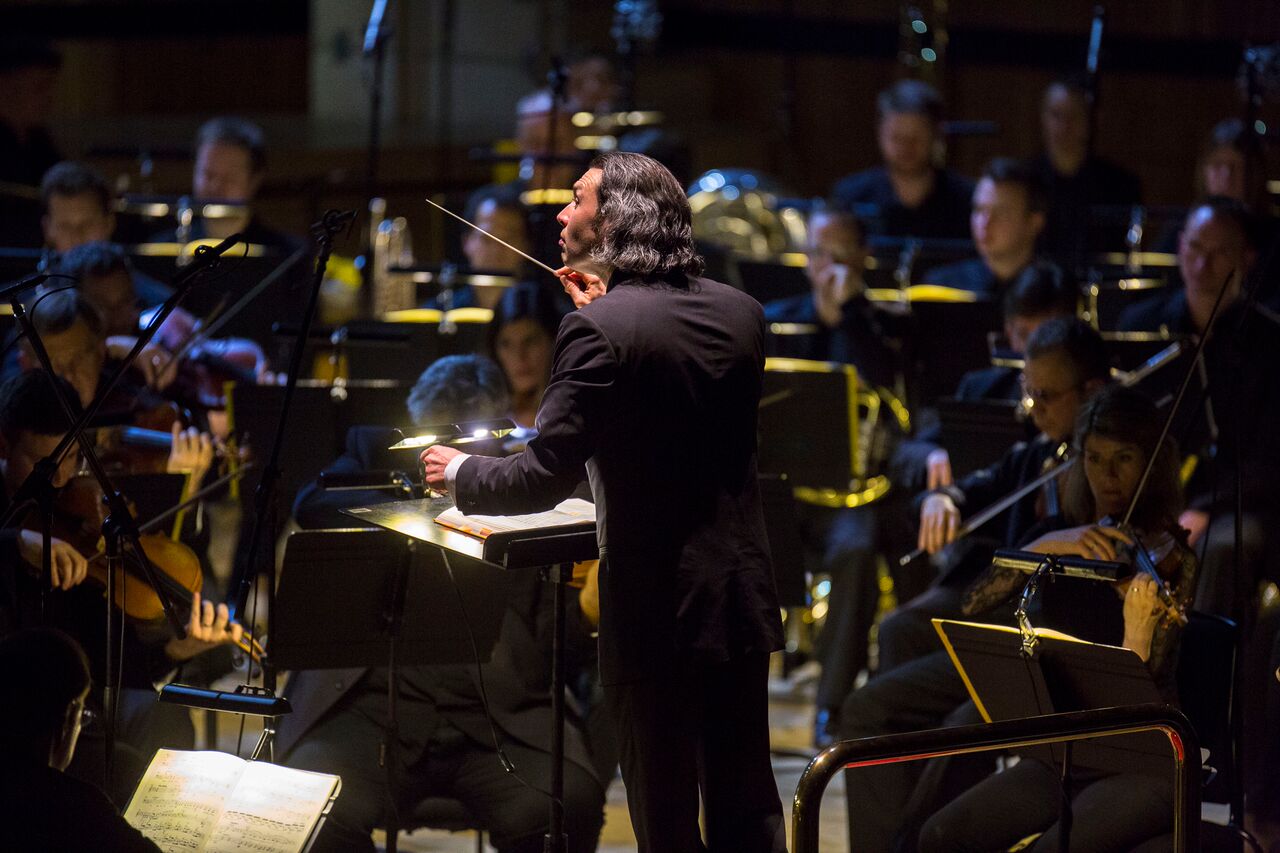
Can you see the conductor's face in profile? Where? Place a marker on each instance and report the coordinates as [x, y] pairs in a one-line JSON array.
[[578, 222]]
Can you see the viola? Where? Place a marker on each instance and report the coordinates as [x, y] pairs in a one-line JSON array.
[[78, 515]]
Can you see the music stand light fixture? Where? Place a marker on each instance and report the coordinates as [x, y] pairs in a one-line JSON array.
[[453, 434]]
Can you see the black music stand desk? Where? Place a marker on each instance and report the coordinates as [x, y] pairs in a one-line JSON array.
[[552, 550], [1064, 674]]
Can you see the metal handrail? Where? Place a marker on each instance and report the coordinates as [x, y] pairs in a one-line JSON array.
[[1007, 734]]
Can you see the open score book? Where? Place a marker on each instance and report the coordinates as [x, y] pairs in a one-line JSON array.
[[213, 802], [568, 513]]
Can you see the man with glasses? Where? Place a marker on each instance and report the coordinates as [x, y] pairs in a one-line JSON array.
[[42, 709]]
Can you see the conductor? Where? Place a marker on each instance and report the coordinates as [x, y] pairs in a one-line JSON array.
[[655, 386]]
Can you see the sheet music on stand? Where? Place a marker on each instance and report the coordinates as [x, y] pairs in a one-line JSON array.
[[215, 802], [566, 533]]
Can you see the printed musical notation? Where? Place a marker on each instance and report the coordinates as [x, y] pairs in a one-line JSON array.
[[211, 802]]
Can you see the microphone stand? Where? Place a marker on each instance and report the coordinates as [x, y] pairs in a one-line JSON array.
[[119, 530], [264, 497], [376, 36]]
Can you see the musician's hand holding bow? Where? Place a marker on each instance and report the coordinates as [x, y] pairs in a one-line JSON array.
[[1091, 541], [435, 459], [156, 364], [939, 521], [582, 287], [208, 627]]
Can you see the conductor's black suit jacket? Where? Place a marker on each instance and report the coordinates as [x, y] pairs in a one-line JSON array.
[[655, 387]]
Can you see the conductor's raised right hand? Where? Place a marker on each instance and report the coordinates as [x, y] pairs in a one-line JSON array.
[[939, 521], [582, 287]]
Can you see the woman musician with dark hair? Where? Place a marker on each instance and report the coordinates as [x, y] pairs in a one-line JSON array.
[[1116, 433]]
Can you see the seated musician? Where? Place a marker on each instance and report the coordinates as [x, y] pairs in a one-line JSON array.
[[1117, 433], [842, 543], [447, 748], [230, 166], [104, 275], [1076, 180], [77, 207], [916, 686], [1214, 254], [522, 337], [43, 702], [851, 332], [1033, 299], [1009, 209], [911, 197], [506, 219], [550, 160], [592, 83], [31, 425]]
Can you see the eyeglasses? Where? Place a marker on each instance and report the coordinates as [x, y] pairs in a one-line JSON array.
[[1041, 396], [87, 717]]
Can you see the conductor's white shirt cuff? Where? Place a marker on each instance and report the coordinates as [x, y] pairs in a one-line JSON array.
[[451, 472]]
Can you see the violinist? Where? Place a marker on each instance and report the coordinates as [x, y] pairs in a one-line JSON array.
[[1117, 433], [522, 337], [31, 425], [1034, 299], [1066, 362], [174, 362], [73, 332], [916, 686]]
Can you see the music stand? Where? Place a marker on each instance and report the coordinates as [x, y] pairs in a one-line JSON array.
[[1065, 674], [551, 550], [976, 433], [393, 602], [950, 339]]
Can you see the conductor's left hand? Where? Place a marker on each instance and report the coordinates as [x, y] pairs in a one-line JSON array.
[[434, 460]]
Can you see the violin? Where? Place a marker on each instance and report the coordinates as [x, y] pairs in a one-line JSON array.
[[78, 516], [1156, 555]]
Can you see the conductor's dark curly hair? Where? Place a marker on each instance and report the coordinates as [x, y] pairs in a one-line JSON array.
[[643, 221]]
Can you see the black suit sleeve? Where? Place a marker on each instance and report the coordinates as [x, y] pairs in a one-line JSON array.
[[575, 402]]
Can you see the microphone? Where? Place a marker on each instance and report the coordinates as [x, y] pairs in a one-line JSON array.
[[24, 283]]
